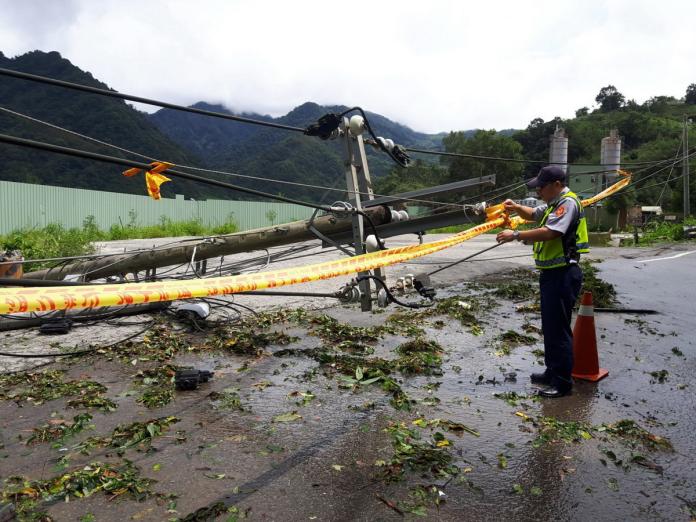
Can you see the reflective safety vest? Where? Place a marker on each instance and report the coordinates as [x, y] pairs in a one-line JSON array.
[[560, 251]]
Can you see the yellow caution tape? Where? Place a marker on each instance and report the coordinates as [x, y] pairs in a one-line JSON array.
[[153, 177], [43, 299]]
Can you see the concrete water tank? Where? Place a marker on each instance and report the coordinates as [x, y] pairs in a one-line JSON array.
[[610, 155], [558, 151]]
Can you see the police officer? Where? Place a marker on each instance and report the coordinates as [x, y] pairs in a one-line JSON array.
[[558, 242]]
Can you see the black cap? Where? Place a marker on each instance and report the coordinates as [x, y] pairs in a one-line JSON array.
[[547, 175]]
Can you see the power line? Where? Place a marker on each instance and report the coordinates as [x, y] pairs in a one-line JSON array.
[[145, 166], [140, 99], [211, 171], [512, 160], [671, 170], [242, 119]]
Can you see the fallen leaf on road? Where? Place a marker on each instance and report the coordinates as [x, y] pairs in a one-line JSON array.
[[287, 417]]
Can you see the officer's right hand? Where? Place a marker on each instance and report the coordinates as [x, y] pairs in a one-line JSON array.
[[510, 205]]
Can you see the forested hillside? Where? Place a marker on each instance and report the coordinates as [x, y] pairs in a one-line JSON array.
[[650, 131], [181, 138], [104, 118]]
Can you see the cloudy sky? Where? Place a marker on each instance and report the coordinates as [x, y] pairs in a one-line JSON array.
[[435, 66]]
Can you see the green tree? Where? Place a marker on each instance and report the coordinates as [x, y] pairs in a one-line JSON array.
[[691, 94], [610, 99], [535, 142], [271, 216], [419, 175], [485, 143], [582, 111]]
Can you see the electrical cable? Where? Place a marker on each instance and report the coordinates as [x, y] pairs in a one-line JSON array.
[[464, 259], [390, 296], [212, 171], [242, 119], [399, 157], [4, 138], [513, 160], [139, 99], [676, 156], [78, 352]]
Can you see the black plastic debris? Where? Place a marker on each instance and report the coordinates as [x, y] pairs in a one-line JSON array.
[[56, 326], [190, 379]]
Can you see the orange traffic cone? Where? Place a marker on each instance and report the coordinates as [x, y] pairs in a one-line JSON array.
[[585, 358]]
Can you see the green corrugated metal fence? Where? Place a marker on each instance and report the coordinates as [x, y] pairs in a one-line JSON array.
[[24, 205]]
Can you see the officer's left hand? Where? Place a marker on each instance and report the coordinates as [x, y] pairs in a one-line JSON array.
[[505, 236]]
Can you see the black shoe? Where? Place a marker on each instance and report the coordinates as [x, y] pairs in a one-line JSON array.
[[552, 392], [540, 378]]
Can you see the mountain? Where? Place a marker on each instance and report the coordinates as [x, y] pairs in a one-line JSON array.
[[179, 137], [264, 152], [104, 118]]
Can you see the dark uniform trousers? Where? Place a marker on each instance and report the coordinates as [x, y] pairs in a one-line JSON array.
[[559, 288]]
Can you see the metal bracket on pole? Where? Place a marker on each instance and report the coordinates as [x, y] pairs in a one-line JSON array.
[[358, 183], [325, 240]]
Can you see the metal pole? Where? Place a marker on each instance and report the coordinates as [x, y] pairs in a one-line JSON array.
[[685, 168], [353, 186]]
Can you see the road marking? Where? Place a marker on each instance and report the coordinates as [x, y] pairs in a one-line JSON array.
[[670, 257]]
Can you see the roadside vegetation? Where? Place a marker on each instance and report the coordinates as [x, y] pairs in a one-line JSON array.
[[55, 240], [663, 231]]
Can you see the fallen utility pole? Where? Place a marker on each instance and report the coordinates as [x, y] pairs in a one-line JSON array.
[[207, 248]]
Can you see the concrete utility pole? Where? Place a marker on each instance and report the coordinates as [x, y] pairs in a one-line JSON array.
[[200, 249], [685, 168]]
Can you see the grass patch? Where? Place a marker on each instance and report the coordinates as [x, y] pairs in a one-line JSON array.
[[55, 240]]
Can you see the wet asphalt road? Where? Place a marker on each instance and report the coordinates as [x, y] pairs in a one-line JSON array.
[[558, 481]]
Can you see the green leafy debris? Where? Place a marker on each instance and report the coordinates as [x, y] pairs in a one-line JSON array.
[[246, 339], [40, 387], [59, 429], [114, 481], [304, 397], [421, 498], [411, 453], [157, 385], [516, 290], [603, 293], [513, 398], [287, 417], [659, 376], [552, 430], [227, 399], [511, 339], [631, 433], [419, 356], [160, 344], [126, 436]]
